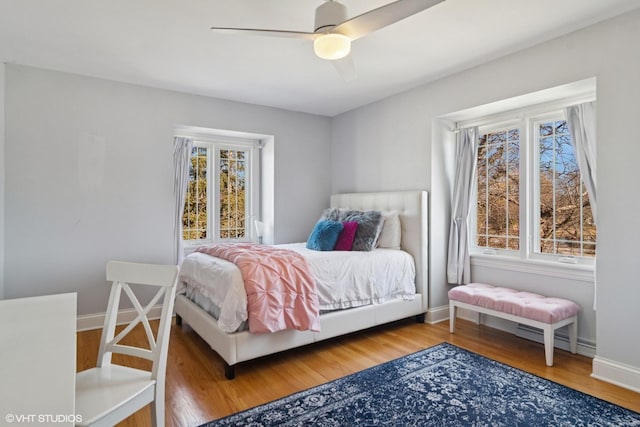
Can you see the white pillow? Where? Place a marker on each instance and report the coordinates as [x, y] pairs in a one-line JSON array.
[[391, 234]]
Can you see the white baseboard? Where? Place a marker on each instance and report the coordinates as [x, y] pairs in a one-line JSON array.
[[561, 341], [87, 322], [473, 316], [616, 373], [437, 314]]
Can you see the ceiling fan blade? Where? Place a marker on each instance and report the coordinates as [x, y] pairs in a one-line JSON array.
[[345, 67], [376, 19], [273, 33]]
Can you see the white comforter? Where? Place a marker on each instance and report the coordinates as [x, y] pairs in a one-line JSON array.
[[344, 279]]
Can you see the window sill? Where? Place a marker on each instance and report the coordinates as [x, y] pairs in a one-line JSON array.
[[579, 272]]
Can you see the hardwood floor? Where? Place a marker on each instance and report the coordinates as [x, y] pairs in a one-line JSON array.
[[197, 391]]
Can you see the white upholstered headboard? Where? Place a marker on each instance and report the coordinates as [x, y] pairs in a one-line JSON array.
[[413, 210]]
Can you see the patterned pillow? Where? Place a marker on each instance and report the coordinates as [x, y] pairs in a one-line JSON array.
[[324, 235], [345, 240], [369, 225]]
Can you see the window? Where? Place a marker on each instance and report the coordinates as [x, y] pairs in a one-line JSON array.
[[222, 194], [498, 172], [563, 212], [530, 199]]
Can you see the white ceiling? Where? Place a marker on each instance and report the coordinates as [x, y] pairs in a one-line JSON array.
[[167, 44]]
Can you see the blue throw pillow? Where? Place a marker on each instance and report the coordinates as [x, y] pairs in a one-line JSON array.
[[324, 235]]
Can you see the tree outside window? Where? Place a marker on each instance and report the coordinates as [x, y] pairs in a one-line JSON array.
[[557, 216], [218, 202]]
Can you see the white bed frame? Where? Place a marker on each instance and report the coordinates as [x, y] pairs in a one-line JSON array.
[[412, 207]]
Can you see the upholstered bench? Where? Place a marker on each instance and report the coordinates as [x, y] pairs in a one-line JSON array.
[[526, 308]]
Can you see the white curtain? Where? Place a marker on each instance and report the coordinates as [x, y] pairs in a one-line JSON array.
[[458, 260], [582, 126], [181, 163]]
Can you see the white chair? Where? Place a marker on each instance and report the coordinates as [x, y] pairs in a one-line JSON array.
[[109, 393]]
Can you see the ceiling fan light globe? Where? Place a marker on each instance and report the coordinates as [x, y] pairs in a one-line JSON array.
[[332, 46]]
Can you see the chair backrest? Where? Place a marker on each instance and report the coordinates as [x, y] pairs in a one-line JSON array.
[[122, 274]]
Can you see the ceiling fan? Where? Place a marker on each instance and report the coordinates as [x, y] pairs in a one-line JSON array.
[[334, 33]]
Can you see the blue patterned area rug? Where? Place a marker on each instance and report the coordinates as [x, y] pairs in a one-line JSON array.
[[440, 386]]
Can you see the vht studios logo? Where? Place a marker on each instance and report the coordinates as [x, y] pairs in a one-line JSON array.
[[42, 418]]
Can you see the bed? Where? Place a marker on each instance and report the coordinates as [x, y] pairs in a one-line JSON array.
[[241, 346]]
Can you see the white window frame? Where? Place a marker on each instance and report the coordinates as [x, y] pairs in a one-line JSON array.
[[214, 144], [526, 259], [482, 130], [534, 161]]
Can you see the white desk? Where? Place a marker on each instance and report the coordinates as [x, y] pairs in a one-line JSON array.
[[38, 360]]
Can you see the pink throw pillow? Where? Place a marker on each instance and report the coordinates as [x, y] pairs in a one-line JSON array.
[[345, 239]]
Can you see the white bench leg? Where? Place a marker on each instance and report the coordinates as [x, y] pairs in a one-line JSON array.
[[452, 316], [548, 344], [573, 335]]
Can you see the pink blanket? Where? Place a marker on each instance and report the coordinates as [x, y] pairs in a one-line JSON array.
[[281, 292]]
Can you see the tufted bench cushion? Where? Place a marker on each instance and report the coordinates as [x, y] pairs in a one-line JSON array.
[[526, 308], [523, 304]]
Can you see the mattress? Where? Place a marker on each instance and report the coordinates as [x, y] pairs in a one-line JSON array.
[[344, 279]]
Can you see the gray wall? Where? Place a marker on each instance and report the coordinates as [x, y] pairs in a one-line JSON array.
[[89, 175], [2, 245], [398, 143]]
